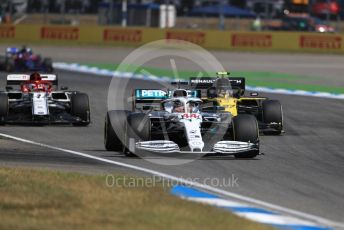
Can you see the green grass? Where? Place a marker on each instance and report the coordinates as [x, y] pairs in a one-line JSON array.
[[253, 78], [37, 199]]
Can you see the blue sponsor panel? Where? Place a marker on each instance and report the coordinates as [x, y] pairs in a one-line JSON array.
[[12, 50], [150, 94]]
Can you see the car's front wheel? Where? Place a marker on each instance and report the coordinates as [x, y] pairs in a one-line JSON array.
[[114, 130], [138, 128], [272, 113], [4, 107], [245, 129], [80, 108], [9, 65], [48, 65]]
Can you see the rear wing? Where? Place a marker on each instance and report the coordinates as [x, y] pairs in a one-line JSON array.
[[12, 50], [17, 79], [202, 83], [237, 83], [185, 93], [179, 83], [149, 99]]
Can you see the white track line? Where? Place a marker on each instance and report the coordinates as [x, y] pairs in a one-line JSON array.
[[249, 200]]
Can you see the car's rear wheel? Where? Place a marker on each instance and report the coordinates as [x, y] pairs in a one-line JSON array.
[[245, 129], [113, 131], [9, 65], [4, 107], [138, 129], [2, 62], [272, 113], [48, 65], [80, 108]]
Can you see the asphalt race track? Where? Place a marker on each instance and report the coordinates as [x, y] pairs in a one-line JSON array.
[[302, 169]]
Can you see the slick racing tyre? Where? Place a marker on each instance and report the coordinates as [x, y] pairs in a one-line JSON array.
[[115, 121], [80, 108], [2, 62], [245, 128], [272, 113], [9, 65], [3, 107], [138, 129], [48, 65]]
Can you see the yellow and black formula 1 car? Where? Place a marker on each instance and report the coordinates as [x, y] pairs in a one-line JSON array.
[[228, 94]]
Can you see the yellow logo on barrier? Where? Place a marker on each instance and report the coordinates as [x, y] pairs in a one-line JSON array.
[[279, 41], [252, 40], [119, 35], [59, 33], [194, 37], [7, 32], [320, 42]]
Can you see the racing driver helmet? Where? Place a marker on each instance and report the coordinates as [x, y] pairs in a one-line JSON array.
[[35, 77], [178, 107], [223, 87]]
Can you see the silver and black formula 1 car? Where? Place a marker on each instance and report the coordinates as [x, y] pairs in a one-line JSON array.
[[173, 123], [34, 99], [229, 93]]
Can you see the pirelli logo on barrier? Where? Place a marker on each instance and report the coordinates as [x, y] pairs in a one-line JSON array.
[[252, 40], [7, 32], [194, 37], [320, 42], [60, 33], [119, 35]]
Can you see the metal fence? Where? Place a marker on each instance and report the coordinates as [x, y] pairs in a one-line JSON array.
[[267, 14], [67, 6]]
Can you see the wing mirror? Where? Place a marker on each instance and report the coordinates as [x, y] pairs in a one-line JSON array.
[[211, 92], [219, 108], [64, 88], [213, 109]]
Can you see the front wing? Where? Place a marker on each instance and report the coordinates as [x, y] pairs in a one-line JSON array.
[[221, 147], [26, 118]]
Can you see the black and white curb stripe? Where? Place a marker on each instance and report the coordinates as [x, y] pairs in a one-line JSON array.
[[250, 212]]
